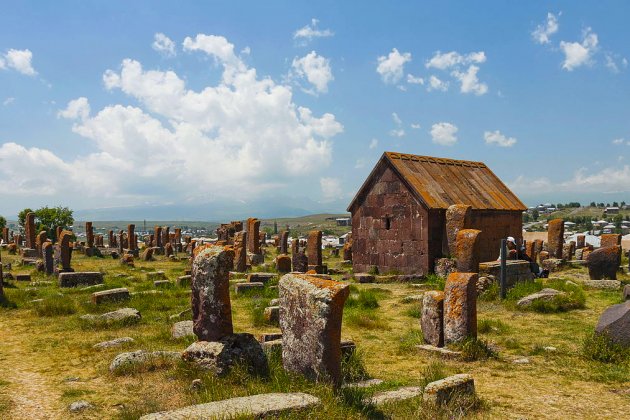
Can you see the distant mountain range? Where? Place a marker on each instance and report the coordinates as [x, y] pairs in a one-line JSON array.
[[268, 208]]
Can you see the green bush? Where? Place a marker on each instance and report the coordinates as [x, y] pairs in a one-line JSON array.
[[436, 281], [600, 348]]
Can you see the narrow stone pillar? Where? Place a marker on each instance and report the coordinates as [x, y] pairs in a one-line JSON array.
[[460, 307]]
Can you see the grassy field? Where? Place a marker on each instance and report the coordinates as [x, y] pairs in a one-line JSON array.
[[47, 359]]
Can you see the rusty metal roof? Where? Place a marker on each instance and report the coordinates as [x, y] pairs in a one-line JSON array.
[[438, 183]]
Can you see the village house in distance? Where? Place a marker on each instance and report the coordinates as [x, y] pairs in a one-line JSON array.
[[399, 213]]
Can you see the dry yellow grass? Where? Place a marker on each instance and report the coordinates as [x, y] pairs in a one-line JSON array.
[[48, 362]]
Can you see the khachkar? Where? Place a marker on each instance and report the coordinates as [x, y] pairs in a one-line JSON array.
[[64, 252], [314, 252], [90, 250], [29, 230], [253, 241], [132, 243]]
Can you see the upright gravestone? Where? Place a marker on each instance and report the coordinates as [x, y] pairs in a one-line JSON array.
[[555, 238], [211, 308], [253, 235], [299, 260], [47, 257], [178, 239], [467, 250], [457, 218], [311, 311], [1, 279], [121, 242], [240, 251], [610, 239], [111, 239], [580, 241], [39, 241], [284, 241], [165, 235], [314, 251], [347, 248], [131, 233], [29, 230], [65, 252], [432, 320], [58, 231], [5, 235], [603, 263], [89, 232], [460, 307]]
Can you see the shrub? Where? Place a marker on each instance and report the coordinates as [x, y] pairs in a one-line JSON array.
[[475, 349], [600, 348], [353, 367], [436, 281]]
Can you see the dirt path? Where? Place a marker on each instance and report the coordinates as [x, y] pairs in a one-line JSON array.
[[30, 393]]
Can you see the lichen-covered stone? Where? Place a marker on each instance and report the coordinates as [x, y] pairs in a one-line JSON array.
[[113, 343], [283, 263], [284, 242], [212, 311], [219, 356], [131, 360], [609, 239], [603, 263], [182, 329], [240, 251], [299, 259], [85, 278], [466, 250], [555, 238], [272, 315], [546, 294], [615, 323], [441, 392], [311, 311], [460, 307], [111, 295], [580, 241], [47, 258], [147, 254], [252, 406], [65, 252], [432, 320], [125, 315], [314, 248], [457, 218]]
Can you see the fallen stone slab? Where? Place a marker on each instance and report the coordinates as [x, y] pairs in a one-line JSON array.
[[126, 315], [156, 275], [363, 384], [260, 277], [219, 356], [439, 351], [272, 315], [261, 405], [553, 264], [272, 346], [364, 278], [162, 283], [184, 281], [263, 338], [22, 277], [400, 394], [181, 314], [413, 298], [77, 278], [442, 391], [602, 284], [113, 343], [111, 295], [615, 323], [137, 358], [544, 295], [182, 329], [241, 288]]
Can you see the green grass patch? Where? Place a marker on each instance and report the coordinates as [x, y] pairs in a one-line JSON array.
[[408, 341], [56, 306], [474, 349], [600, 348], [492, 326]]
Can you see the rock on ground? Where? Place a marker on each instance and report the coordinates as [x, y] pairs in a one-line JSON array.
[[442, 391], [545, 294], [79, 406], [182, 329], [113, 343], [261, 405], [220, 356], [141, 357], [400, 394], [120, 315], [615, 323]]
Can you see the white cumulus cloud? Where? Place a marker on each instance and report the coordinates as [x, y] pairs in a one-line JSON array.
[[444, 61], [469, 81], [18, 60], [392, 66], [316, 69], [164, 45], [373, 144], [436, 83], [444, 133], [577, 54], [618, 141], [311, 31], [413, 80], [178, 142], [499, 139], [545, 30]]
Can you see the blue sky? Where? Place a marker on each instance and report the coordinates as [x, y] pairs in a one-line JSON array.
[[145, 103]]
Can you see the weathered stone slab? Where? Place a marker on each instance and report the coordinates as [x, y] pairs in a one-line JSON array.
[[120, 315], [219, 356], [212, 311], [457, 218], [272, 315], [263, 338], [553, 264], [310, 320], [283, 263], [255, 406], [85, 278], [517, 271], [113, 343], [182, 329], [364, 278], [156, 275], [460, 307], [111, 295], [439, 351], [184, 281], [441, 392], [400, 394], [546, 294], [602, 284], [162, 284], [140, 357], [260, 277], [431, 321], [22, 277], [603, 263], [363, 384], [555, 238], [467, 250], [240, 288], [626, 292], [615, 323]]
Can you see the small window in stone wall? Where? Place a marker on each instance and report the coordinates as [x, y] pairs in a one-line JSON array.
[[388, 222]]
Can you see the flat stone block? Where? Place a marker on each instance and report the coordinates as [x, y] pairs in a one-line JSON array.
[[241, 288], [365, 278], [112, 295], [184, 281], [260, 277], [442, 391], [439, 351], [400, 394], [260, 405], [86, 278], [22, 277]]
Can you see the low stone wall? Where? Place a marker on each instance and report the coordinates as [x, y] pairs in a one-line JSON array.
[[517, 271]]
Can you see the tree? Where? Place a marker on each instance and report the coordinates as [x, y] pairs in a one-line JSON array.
[[22, 216], [593, 204], [3, 222], [535, 214]]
